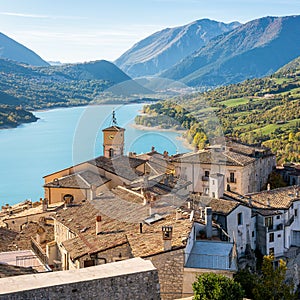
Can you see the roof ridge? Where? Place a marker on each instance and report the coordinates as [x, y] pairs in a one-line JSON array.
[[79, 175]]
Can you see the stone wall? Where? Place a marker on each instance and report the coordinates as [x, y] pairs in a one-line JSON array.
[[131, 279], [170, 266]]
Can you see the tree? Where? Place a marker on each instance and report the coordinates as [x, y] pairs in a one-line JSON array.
[[271, 284], [211, 286]]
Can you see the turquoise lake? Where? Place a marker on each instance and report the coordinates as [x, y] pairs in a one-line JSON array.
[[64, 137]]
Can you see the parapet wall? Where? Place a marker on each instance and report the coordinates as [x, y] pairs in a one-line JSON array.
[[130, 279]]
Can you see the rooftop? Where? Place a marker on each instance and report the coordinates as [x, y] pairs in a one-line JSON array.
[[221, 206], [214, 157], [120, 224], [83, 180], [9, 270], [122, 166]]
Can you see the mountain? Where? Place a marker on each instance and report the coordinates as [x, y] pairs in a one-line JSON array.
[[165, 48], [292, 66], [73, 84], [100, 70], [260, 110], [254, 49], [10, 49]]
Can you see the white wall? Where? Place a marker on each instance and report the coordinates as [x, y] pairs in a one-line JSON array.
[[239, 232]]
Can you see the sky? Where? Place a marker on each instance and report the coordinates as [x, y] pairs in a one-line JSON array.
[[73, 31]]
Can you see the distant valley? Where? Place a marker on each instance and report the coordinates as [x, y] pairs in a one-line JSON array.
[[263, 110], [201, 55]]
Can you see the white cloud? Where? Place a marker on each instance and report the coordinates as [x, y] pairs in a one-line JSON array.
[[37, 16]]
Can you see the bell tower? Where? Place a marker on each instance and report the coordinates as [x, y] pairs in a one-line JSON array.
[[113, 139]]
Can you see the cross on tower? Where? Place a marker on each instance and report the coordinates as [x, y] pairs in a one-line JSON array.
[[114, 119]]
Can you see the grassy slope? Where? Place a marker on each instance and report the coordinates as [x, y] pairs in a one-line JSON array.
[[263, 110]]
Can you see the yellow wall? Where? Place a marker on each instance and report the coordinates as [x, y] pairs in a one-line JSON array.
[[55, 195]]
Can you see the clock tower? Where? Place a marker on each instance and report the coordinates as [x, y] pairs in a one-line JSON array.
[[113, 139]]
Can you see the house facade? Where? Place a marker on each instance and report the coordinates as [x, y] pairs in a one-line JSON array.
[[245, 168]]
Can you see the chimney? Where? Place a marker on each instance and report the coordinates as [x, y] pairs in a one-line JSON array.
[[208, 222], [178, 214], [268, 187], [167, 237], [98, 225]]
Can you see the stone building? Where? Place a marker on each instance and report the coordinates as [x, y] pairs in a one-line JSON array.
[[88, 179], [245, 167]]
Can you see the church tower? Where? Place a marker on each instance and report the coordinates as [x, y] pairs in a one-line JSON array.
[[113, 139]]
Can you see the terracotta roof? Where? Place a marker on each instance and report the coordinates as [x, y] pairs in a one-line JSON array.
[[221, 206], [119, 225], [280, 198], [9, 270], [6, 238], [122, 166], [83, 180], [214, 157]]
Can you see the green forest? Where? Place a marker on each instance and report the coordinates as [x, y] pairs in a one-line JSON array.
[[264, 110]]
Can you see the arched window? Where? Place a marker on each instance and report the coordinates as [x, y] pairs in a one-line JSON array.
[[68, 198], [111, 152]]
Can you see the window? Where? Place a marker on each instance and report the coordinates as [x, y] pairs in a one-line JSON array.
[[279, 235], [111, 152], [213, 182], [271, 237], [232, 178], [271, 251], [213, 194], [277, 217], [240, 218], [269, 222], [253, 233], [206, 190], [206, 173], [296, 212]]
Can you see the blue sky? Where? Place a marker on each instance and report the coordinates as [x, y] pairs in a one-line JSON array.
[[86, 30]]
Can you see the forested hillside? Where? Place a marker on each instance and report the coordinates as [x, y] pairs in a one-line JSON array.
[[265, 110]]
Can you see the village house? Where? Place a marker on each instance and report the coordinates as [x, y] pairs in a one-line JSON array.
[[118, 225], [276, 218], [245, 167]]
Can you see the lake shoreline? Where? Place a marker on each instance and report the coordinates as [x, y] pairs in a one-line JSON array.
[[184, 142]]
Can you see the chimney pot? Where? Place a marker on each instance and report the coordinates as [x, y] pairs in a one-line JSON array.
[[167, 237], [98, 225]]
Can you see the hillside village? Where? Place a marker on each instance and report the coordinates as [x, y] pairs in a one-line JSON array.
[[211, 210]]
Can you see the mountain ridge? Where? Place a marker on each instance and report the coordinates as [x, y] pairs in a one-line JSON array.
[[254, 49], [164, 48], [12, 50]]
